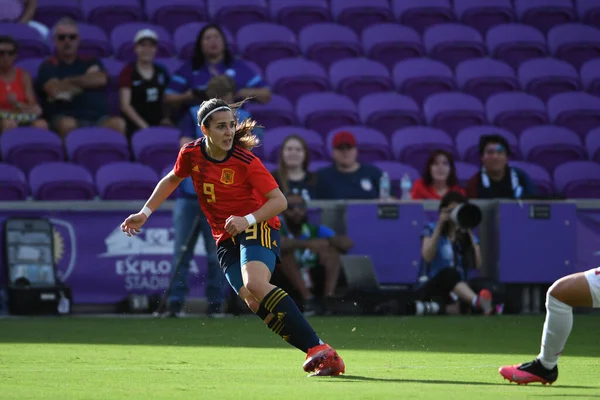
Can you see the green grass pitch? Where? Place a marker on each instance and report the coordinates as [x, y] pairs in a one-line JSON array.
[[239, 358]]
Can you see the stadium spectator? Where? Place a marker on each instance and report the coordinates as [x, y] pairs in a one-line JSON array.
[[22, 11], [347, 178], [439, 178], [447, 253], [292, 173], [310, 256], [73, 85], [213, 57], [142, 86], [18, 104], [496, 179]]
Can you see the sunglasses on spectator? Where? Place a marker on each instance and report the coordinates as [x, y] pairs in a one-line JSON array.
[[63, 37], [7, 53]]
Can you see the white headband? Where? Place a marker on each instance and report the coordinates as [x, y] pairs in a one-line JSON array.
[[215, 110]]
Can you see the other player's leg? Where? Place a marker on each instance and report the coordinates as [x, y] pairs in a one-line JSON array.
[[577, 290]]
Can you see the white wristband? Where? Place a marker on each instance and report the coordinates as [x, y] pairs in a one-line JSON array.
[[251, 220], [146, 211]]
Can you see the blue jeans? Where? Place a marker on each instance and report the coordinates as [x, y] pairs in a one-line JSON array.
[[185, 213]]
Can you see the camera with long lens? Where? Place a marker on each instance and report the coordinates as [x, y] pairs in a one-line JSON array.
[[466, 215]]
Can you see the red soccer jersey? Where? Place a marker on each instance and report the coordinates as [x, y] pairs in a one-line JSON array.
[[234, 186]]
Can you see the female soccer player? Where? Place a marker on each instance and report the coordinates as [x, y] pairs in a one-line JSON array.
[[241, 201], [581, 289]]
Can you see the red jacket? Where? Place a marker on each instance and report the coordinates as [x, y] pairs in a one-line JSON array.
[[420, 191]]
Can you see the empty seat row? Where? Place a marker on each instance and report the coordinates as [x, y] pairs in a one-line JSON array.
[[296, 14], [450, 111], [327, 42]]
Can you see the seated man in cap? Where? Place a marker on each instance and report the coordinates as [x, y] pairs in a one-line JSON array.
[[496, 179], [73, 86], [347, 178]]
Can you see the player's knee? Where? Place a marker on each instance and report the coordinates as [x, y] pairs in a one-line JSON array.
[[558, 290], [253, 304]]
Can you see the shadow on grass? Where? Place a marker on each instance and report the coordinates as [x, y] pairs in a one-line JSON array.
[[472, 335], [358, 378]]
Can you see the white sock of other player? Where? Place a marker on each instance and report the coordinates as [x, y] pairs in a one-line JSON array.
[[557, 327]]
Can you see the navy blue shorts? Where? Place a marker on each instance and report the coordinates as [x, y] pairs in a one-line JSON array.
[[259, 242]]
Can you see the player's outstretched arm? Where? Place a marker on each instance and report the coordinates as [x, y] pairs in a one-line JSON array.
[[164, 188], [275, 205]]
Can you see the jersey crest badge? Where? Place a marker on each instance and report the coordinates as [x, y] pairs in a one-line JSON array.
[[227, 176], [195, 169]]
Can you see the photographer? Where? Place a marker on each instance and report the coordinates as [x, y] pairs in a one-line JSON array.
[[448, 251]]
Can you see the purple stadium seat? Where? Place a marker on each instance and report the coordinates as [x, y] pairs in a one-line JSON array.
[[360, 14], [121, 39], [482, 15], [265, 42], [420, 78], [544, 14], [372, 144], [590, 76], [389, 43], [314, 166], [274, 139], [388, 112], [48, 12], [325, 111], [55, 181], [453, 111], [279, 111], [396, 172], [545, 77], [171, 64], [113, 68], [415, 144], [550, 145], [93, 147], [31, 42], [467, 142], [233, 14], [126, 181], [483, 77], [30, 65], [156, 146], [108, 14], [515, 43], [578, 179], [296, 14], [175, 13], [295, 77], [452, 43], [592, 144], [421, 14], [93, 41], [328, 42], [516, 111], [464, 172], [358, 77], [26, 147], [539, 176], [13, 183], [185, 36], [588, 11], [578, 111], [574, 43]]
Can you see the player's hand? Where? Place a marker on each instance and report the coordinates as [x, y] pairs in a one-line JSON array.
[[132, 225], [236, 225]]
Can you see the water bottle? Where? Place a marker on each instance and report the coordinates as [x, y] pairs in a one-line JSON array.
[[405, 186], [384, 186]]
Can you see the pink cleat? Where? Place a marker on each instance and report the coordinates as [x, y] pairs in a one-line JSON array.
[[530, 372]]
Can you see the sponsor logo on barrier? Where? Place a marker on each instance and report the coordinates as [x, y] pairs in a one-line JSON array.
[[146, 260], [65, 248]]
